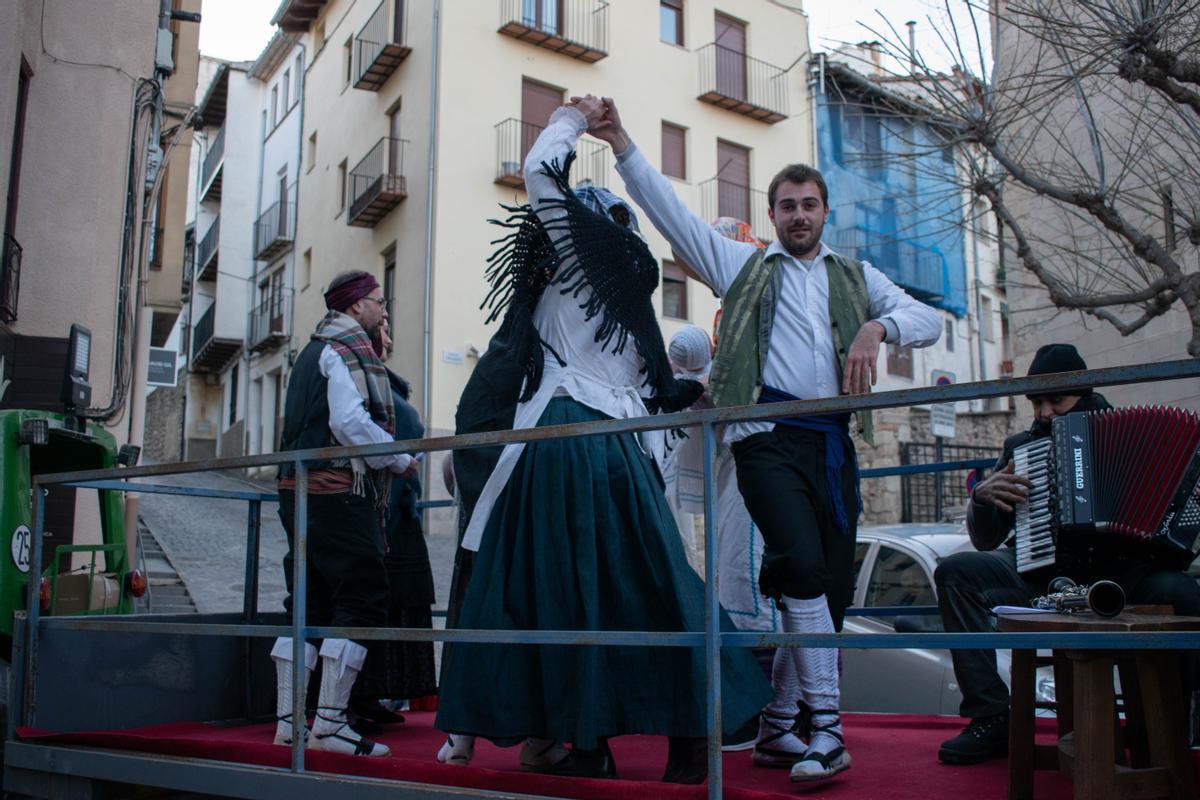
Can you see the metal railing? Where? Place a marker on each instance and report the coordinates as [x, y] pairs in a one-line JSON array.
[[207, 250], [202, 334], [268, 781], [383, 39], [576, 28], [381, 171], [271, 320], [513, 140], [926, 497], [10, 278], [722, 198], [731, 79], [275, 229], [213, 158]]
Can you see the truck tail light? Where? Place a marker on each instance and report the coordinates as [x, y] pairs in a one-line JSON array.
[[135, 583]]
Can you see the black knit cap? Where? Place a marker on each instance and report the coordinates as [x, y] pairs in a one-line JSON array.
[[1052, 358]]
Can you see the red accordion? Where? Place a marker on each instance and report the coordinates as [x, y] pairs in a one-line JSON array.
[[1131, 473]]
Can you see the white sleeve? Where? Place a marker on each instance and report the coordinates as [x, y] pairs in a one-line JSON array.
[[916, 324], [716, 259], [553, 144], [348, 417]]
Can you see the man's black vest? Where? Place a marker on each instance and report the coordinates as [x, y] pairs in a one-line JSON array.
[[306, 410]]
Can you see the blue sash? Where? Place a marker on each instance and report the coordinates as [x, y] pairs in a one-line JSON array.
[[838, 449]]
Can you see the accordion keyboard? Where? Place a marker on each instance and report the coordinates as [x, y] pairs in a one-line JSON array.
[[1034, 526]]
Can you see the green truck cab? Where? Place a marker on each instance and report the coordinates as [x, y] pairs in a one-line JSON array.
[[85, 565]]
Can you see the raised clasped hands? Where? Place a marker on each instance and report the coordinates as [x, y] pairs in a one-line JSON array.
[[603, 120]]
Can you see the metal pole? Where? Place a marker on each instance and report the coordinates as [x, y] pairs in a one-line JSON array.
[[250, 601], [250, 585], [299, 602], [937, 480], [33, 602], [712, 620]]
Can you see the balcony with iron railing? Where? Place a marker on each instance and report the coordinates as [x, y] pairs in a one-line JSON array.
[[271, 322], [575, 28], [212, 174], [731, 79], [10, 278], [513, 140], [212, 353], [722, 198], [377, 183], [381, 45], [275, 230], [208, 251]]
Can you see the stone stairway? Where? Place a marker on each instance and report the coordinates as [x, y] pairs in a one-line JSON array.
[[167, 593]]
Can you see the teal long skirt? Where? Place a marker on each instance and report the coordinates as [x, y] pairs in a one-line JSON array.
[[582, 539]]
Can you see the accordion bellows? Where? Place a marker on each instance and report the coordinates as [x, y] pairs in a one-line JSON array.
[[1127, 473]]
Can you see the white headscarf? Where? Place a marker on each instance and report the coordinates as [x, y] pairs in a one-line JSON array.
[[690, 352]]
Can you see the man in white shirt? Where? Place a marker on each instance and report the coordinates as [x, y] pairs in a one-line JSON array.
[[800, 322], [339, 394]]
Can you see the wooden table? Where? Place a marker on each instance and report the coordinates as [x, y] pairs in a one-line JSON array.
[[1088, 748]]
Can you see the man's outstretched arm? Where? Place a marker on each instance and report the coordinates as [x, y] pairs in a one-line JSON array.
[[715, 259]]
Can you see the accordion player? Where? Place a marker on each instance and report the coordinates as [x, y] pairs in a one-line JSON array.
[[1123, 479]]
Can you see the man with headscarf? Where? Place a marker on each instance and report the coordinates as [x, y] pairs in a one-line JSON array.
[[801, 322], [339, 394], [574, 533], [969, 585]]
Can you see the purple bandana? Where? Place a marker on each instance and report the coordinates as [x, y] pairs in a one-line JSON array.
[[350, 292]]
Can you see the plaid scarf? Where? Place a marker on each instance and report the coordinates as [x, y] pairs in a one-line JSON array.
[[350, 341], [613, 273]]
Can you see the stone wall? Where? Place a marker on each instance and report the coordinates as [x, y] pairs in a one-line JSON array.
[[164, 422]]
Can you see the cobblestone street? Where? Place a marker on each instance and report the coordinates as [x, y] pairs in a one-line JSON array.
[[204, 540]]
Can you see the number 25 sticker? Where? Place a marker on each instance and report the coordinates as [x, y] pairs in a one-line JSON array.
[[21, 539]]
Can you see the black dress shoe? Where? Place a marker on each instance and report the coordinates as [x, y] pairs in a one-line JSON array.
[[687, 760], [372, 713], [582, 763]]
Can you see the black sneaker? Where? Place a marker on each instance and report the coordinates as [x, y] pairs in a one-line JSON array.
[[984, 738]]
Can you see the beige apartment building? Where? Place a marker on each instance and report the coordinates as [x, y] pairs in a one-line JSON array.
[[77, 136], [418, 115], [1149, 199]]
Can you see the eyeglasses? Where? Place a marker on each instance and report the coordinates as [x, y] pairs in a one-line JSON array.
[[381, 301]]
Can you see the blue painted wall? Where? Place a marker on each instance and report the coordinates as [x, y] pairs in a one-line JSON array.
[[893, 199]]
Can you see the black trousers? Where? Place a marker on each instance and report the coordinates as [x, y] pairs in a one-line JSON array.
[[781, 475], [970, 584], [347, 583]]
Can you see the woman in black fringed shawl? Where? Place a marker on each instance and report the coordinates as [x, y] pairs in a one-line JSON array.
[[575, 534]]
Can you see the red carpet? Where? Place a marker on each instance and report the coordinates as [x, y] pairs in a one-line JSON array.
[[895, 757]]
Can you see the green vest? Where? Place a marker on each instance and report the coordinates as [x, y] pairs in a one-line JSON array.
[[749, 315]]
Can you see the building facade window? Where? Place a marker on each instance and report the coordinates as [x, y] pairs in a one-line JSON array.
[[674, 151], [949, 336], [233, 395], [899, 361], [312, 150], [274, 106], [987, 323], [299, 77], [285, 87], [674, 287], [389, 282], [348, 62], [670, 21], [341, 177]]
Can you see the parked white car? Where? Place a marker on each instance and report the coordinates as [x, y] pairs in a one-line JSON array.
[[894, 566]]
